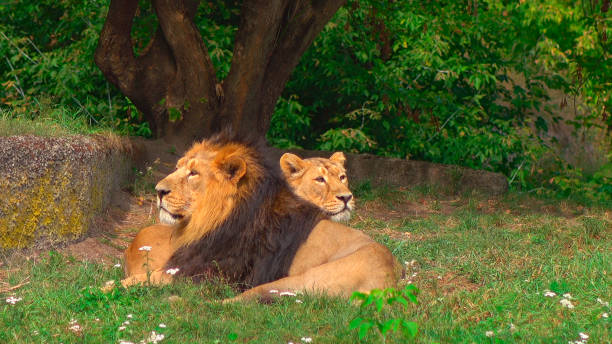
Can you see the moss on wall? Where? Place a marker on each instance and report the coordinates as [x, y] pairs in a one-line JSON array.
[[54, 187]]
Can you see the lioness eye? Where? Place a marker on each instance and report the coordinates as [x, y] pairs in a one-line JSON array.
[[193, 173], [320, 179], [342, 177]]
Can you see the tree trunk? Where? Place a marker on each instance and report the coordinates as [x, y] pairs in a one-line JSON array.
[[173, 81]]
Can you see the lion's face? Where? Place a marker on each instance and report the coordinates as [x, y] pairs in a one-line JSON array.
[[176, 193], [204, 186], [322, 182]]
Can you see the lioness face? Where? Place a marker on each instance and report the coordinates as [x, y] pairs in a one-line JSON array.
[[322, 182]]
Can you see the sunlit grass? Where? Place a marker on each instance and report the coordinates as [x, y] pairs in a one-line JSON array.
[[46, 120]]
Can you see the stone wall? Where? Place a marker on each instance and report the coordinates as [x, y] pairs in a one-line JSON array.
[[51, 187]]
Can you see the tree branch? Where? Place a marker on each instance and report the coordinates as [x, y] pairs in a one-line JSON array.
[[114, 54], [195, 75], [260, 23], [302, 24]]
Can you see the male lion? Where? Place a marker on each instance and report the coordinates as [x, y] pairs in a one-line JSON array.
[[320, 181], [233, 214]]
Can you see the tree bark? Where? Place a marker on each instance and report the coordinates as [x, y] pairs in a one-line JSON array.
[[175, 74]]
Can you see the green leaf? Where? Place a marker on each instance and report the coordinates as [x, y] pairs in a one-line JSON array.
[[355, 323], [391, 324], [402, 301], [174, 114], [410, 327], [363, 329], [358, 296], [379, 304]]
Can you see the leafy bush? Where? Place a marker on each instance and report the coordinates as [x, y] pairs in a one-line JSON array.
[[464, 82]]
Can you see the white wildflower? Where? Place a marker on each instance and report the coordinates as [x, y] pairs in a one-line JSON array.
[[298, 301], [273, 291], [489, 333], [601, 302], [129, 316], [109, 283], [287, 293], [512, 327], [127, 322], [121, 341], [439, 277], [117, 265], [172, 271], [155, 337], [121, 328], [162, 325], [97, 319], [306, 339], [566, 303], [74, 326], [567, 296], [583, 336], [13, 300], [144, 248], [35, 332], [549, 293], [605, 315]]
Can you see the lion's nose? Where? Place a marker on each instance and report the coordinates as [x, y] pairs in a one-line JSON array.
[[345, 198], [161, 192]]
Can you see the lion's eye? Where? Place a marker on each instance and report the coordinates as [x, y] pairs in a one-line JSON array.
[[193, 173], [342, 177], [320, 179]]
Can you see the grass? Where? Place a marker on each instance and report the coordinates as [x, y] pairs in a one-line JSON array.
[[481, 265], [47, 121]]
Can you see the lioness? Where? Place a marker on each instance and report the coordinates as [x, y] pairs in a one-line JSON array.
[[322, 182], [232, 213]]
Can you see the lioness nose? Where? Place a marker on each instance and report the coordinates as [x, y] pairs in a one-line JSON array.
[[161, 192], [345, 198]]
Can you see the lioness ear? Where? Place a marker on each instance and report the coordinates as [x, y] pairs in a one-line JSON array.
[[234, 167], [292, 165], [338, 157]]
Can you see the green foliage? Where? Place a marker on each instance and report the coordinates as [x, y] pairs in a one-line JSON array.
[[442, 82], [48, 49], [289, 123], [464, 82], [378, 298]]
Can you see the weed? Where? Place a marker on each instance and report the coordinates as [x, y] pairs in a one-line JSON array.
[[379, 298]]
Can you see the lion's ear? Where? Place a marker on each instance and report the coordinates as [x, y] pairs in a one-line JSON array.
[[338, 157], [233, 167], [292, 165]]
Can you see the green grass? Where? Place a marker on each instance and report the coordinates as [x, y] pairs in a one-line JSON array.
[[478, 268], [48, 121]]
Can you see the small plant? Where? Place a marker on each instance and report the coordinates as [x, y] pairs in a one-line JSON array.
[[594, 227], [376, 319], [144, 181]]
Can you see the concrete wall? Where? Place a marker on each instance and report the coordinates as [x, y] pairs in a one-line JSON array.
[[51, 188]]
